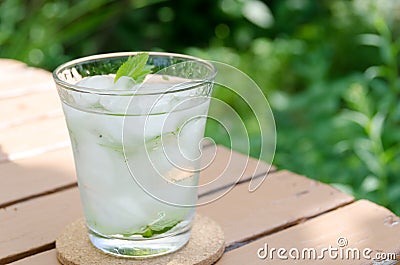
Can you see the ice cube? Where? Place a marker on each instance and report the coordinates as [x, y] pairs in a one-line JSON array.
[[118, 104], [124, 83], [115, 214], [190, 137], [97, 82], [87, 100], [114, 104]]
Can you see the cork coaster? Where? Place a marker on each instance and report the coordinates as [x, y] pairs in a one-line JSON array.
[[206, 246]]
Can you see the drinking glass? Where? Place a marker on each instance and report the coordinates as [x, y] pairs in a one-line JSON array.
[[136, 148]]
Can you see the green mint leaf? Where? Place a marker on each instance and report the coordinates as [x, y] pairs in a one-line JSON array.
[[163, 226], [157, 228], [117, 147], [135, 67]]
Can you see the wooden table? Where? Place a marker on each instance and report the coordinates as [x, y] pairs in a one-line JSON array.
[[39, 194]]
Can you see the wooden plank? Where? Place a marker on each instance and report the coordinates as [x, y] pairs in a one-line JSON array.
[[282, 200], [32, 138], [29, 108], [6, 64], [34, 117], [23, 89], [44, 258], [23, 76], [32, 226], [31, 177], [16, 79], [362, 225], [223, 168]]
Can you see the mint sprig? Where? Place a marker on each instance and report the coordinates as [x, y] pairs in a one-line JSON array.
[[157, 228], [135, 67]]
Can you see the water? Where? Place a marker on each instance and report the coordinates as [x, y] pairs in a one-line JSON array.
[[117, 154]]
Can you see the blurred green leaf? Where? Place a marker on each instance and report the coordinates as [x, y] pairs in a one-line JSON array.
[[75, 31], [344, 188], [371, 39], [258, 13], [355, 116], [370, 183], [376, 71], [376, 126], [363, 149]]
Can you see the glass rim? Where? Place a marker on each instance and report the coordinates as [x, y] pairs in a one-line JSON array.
[[195, 82]]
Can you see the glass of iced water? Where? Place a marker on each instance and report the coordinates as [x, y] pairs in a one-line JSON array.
[[136, 133]]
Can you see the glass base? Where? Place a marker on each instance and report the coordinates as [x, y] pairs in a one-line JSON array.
[[142, 248]]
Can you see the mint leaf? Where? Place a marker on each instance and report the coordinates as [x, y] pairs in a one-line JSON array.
[[117, 148], [159, 227], [155, 228], [135, 67]]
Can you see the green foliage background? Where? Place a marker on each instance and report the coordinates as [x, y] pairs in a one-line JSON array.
[[328, 67]]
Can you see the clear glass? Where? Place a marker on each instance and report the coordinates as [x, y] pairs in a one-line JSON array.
[[137, 148]]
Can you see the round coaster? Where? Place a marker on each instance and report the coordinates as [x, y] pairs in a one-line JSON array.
[[206, 245]]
